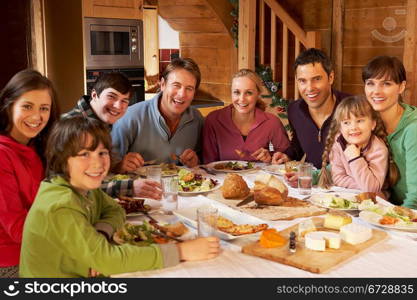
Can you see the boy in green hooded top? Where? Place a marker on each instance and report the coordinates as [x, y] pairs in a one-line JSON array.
[[68, 231]]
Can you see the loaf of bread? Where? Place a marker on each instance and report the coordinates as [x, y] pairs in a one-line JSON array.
[[234, 187], [269, 190]]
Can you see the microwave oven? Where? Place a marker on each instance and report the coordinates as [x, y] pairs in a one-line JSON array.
[[113, 43]]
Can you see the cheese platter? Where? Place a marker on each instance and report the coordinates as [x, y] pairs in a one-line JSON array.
[[320, 249]]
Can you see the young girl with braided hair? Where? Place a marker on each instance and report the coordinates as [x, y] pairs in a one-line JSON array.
[[357, 150]]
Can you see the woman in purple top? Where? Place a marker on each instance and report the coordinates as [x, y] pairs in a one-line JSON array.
[[243, 130]]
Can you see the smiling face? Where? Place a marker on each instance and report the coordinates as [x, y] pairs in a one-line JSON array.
[[314, 85], [357, 130], [177, 93], [383, 93], [88, 168], [244, 95], [30, 114], [110, 105]]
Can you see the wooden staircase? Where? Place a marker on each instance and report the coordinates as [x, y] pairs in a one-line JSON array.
[[204, 33], [266, 31]]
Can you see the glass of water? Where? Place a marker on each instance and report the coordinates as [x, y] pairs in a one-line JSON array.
[[169, 194], [154, 173], [305, 175], [207, 221]]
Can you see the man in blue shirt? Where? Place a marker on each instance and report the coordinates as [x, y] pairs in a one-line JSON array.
[[165, 128]]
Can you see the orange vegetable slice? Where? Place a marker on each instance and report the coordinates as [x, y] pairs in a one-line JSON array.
[[270, 238]]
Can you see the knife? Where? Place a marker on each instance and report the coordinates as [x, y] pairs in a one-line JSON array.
[[249, 198], [207, 170], [149, 162]]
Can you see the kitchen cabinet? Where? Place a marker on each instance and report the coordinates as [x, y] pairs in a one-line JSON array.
[[118, 9], [151, 47]]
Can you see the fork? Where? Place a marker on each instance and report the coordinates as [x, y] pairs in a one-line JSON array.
[[242, 153]]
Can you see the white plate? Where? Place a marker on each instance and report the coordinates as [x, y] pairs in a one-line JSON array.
[[323, 199], [165, 220], [373, 218], [219, 184], [211, 165], [275, 169], [189, 217]]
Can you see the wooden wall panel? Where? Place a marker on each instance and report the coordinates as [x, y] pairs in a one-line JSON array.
[[410, 53], [220, 40], [354, 89], [200, 25], [373, 3], [150, 44], [189, 11], [217, 91], [180, 2], [64, 50], [213, 52], [371, 20], [119, 9], [371, 28], [352, 74], [360, 56], [204, 34]]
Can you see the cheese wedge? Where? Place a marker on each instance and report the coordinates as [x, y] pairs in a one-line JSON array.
[[355, 233], [305, 227], [335, 220], [320, 240]]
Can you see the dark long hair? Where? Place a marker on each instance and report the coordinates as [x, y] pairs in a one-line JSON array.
[[384, 65], [21, 83]]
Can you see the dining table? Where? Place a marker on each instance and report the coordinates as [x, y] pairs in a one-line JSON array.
[[395, 256]]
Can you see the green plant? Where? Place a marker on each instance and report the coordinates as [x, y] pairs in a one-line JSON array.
[[235, 26], [277, 101]]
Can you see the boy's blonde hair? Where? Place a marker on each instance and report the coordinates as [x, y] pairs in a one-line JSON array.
[[359, 107]]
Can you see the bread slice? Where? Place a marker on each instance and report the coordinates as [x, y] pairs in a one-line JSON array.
[[269, 190], [365, 196]]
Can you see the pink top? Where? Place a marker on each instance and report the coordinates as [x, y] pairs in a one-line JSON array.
[[221, 136], [366, 173]]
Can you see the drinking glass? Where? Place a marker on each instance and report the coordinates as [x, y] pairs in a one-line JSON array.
[[169, 194], [207, 221], [305, 175], [154, 173]]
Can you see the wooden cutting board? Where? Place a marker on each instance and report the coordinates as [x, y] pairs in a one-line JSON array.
[[269, 213], [310, 260]]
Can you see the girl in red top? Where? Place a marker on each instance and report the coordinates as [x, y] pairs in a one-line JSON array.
[[28, 109]]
